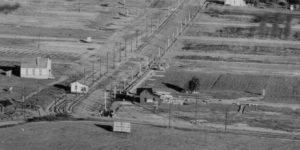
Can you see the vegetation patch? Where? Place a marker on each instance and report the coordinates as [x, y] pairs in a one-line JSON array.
[[8, 8], [241, 49], [56, 117]]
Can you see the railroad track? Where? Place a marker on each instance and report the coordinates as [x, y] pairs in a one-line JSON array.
[[67, 103]]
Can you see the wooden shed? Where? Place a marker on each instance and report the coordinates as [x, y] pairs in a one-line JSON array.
[[147, 95], [77, 87]]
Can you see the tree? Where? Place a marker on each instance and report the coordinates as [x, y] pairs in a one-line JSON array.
[[193, 84], [293, 1]]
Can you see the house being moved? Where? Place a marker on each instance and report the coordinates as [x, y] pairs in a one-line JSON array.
[[235, 2], [39, 68]]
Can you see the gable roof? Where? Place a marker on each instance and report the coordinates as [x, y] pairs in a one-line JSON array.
[[78, 83], [148, 90], [34, 63], [6, 102]]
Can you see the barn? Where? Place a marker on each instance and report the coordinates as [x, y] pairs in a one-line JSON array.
[[39, 68], [77, 87]]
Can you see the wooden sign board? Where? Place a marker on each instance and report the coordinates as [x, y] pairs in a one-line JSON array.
[[122, 127]]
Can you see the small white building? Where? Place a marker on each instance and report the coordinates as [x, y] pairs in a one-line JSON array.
[[39, 68], [77, 87], [235, 2]]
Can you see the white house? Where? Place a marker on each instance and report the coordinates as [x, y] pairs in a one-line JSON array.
[[235, 2], [77, 87], [40, 68]]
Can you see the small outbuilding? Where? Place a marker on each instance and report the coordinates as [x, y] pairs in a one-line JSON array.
[[147, 95], [77, 87], [4, 104]]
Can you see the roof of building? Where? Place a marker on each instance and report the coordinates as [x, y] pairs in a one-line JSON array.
[[148, 90], [5, 102], [34, 63], [77, 82]]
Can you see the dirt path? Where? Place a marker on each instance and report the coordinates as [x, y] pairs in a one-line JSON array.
[[296, 27], [8, 36], [239, 40]]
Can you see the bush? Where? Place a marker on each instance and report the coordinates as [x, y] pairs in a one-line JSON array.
[[8, 8], [56, 117]]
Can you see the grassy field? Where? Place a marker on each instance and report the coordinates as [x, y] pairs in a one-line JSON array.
[[96, 135], [220, 85]]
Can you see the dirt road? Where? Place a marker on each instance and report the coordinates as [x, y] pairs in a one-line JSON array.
[[239, 40]]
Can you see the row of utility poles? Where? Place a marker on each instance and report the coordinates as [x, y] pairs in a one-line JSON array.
[[134, 42], [184, 23]]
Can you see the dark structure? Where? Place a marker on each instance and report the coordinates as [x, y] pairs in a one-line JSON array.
[[4, 104], [147, 95]]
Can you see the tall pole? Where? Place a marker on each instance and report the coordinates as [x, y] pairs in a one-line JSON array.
[[125, 48], [137, 36], [124, 7], [225, 121], [93, 67], [196, 108], [170, 114], [107, 62], [120, 56], [105, 100], [83, 75], [23, 100], [79, 6], [131, 45], [114, 58], [151, 24], [131, 74], [99, 68]]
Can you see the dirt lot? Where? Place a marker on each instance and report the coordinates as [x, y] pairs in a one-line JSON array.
[[93, 135]]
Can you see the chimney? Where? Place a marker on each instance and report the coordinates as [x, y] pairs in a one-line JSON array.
[[38, 61]]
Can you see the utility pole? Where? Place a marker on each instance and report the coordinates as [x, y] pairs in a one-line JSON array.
[[23, 100], [83, 75], [131, 45], [100, 68], [151, 24], [140, 69], [93, 67], [125, 48], [196, 108], [114, 58], [124, 7], [226, 117], [146, 25], [120, 56], [79, 6], [107, 62], [137, 38], [159, 52], [39, 40], [170, 114], [105, 99], [131, 74]]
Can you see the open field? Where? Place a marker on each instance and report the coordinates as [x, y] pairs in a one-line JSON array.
[[234, 52], [93, 135]]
